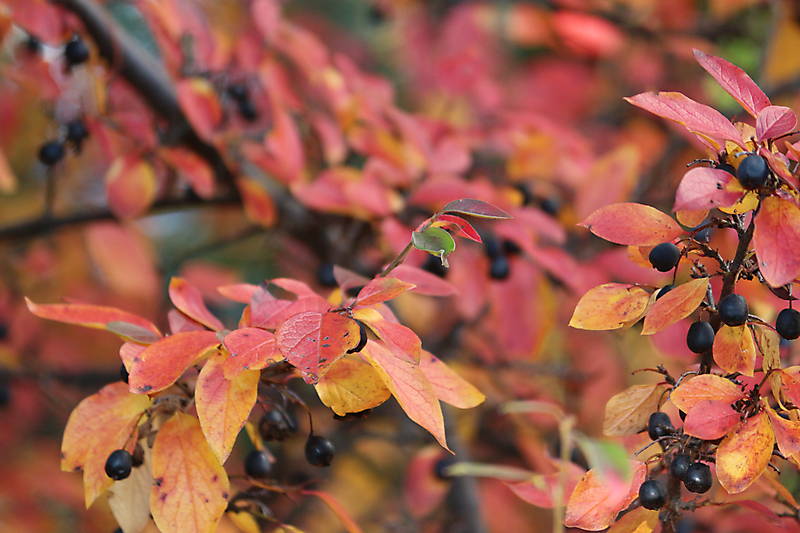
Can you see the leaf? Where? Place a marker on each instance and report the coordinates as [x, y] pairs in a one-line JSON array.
[[189, 301], [449, 386], [706, 188], [100, 424], [540, 489], [610, 306], [435, 241], [200, 103], [424, 282], [632, 224], [410, 388], [223, 404], [190, 487], [312, 341], [337, 508], [97, 317], [735, 81], [164, 361], [676, 305], [734, 349], [702, 120], [258, 204], [474, 208], [351, 385], [627, 412], [402, 341], [639, 520], [190, 167], [462, 225], [8, 180], [696, 389], [381, 289], [598, 498], [129, 498], [130, 186], [787, 432], [250, 349], [777, 240], [710, 419], [744, 454], [774, 121]]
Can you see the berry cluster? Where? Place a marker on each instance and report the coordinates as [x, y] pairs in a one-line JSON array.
[[53, 151]]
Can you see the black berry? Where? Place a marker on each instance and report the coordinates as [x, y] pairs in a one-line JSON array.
[[123, 373], [704, 235], [499, 268], [76, 52], [680, 465], [33, 44], [434, 265], [665, 256], [492, 247], [511, 248], [51, 153], [659, 425], [700, 337], [5, 395], [276, 424], [440, 467], [247, 110], [652, 495], [550, 205], [664, 290], [257, 464], [788, 324], [753, 172], [733, 310], [325, 275], [319, 451], [239, 92], [698, 478], [119, 464], [77, 132]]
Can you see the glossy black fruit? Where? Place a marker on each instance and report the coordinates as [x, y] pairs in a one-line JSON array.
[[550, 205], [698, 478], [659, 425], [248, 110], [753, 172], [77, 132], [700, 337], [33, 45], [652, 495], [665, 256], [440, 467], [119, 464], [664, 290], [680, 465], [492, 247], [733, 310], [511, 248], [257, 464], [788, 324], [276, 424], [499, 268], [123, 373], [325, 275], [704, 235], [434, 265], [51, 153], [239, 92], [319, 451], [76, 52], [362, 339]]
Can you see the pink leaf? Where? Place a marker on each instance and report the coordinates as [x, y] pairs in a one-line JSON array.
[[705, 188], [777, 240], [735, 81], [774, 121], [632, 224], [710, 419], [424, 282]]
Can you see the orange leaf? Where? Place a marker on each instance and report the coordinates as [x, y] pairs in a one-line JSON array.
[[410, 388], [161, 363], [191, 168], [8, 180], [312, 341], [250, 349], [610, 306], [258, 204], [130, 186], [676, 305], [777, 240], [627, 412], [189, 301], [787, 433], [190, 487], [424, 282], [449, 386], [381, 289], [125, 258], [735, 81], [351, 385], [696, 389], [223, 404], [734, 349], [744, 454], [632, 224], [598, 498], [334, 505], [398, 338], [98, 317], [710, 419], [100, 424], [200, 103]]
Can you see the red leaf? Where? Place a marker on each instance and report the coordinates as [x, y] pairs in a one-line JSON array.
[[258, 204], [250, 349], [735, 81], [774, 121], [474, 208], [266, 16], [706, 188], [188, 299], [632, 224], [400, 339], [697, 389], [424, 282], [312, 341], [382, 289], [465, 227], [706, 122], [598, 498], [787, 433], [710, 419], [164, 361], [130, 186], [540, 491], [191, 168], [98, 317], [777, 240], [449, 386], [200, 103]]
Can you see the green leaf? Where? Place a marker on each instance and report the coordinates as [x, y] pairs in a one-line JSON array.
[[435, 241], [475, 208]]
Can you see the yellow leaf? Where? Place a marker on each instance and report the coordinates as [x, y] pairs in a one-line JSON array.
[[744, 454], [351, 385], [449, 386], [734, 349], [190, 487], [610, 306], [244, 522], [627, 413]]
